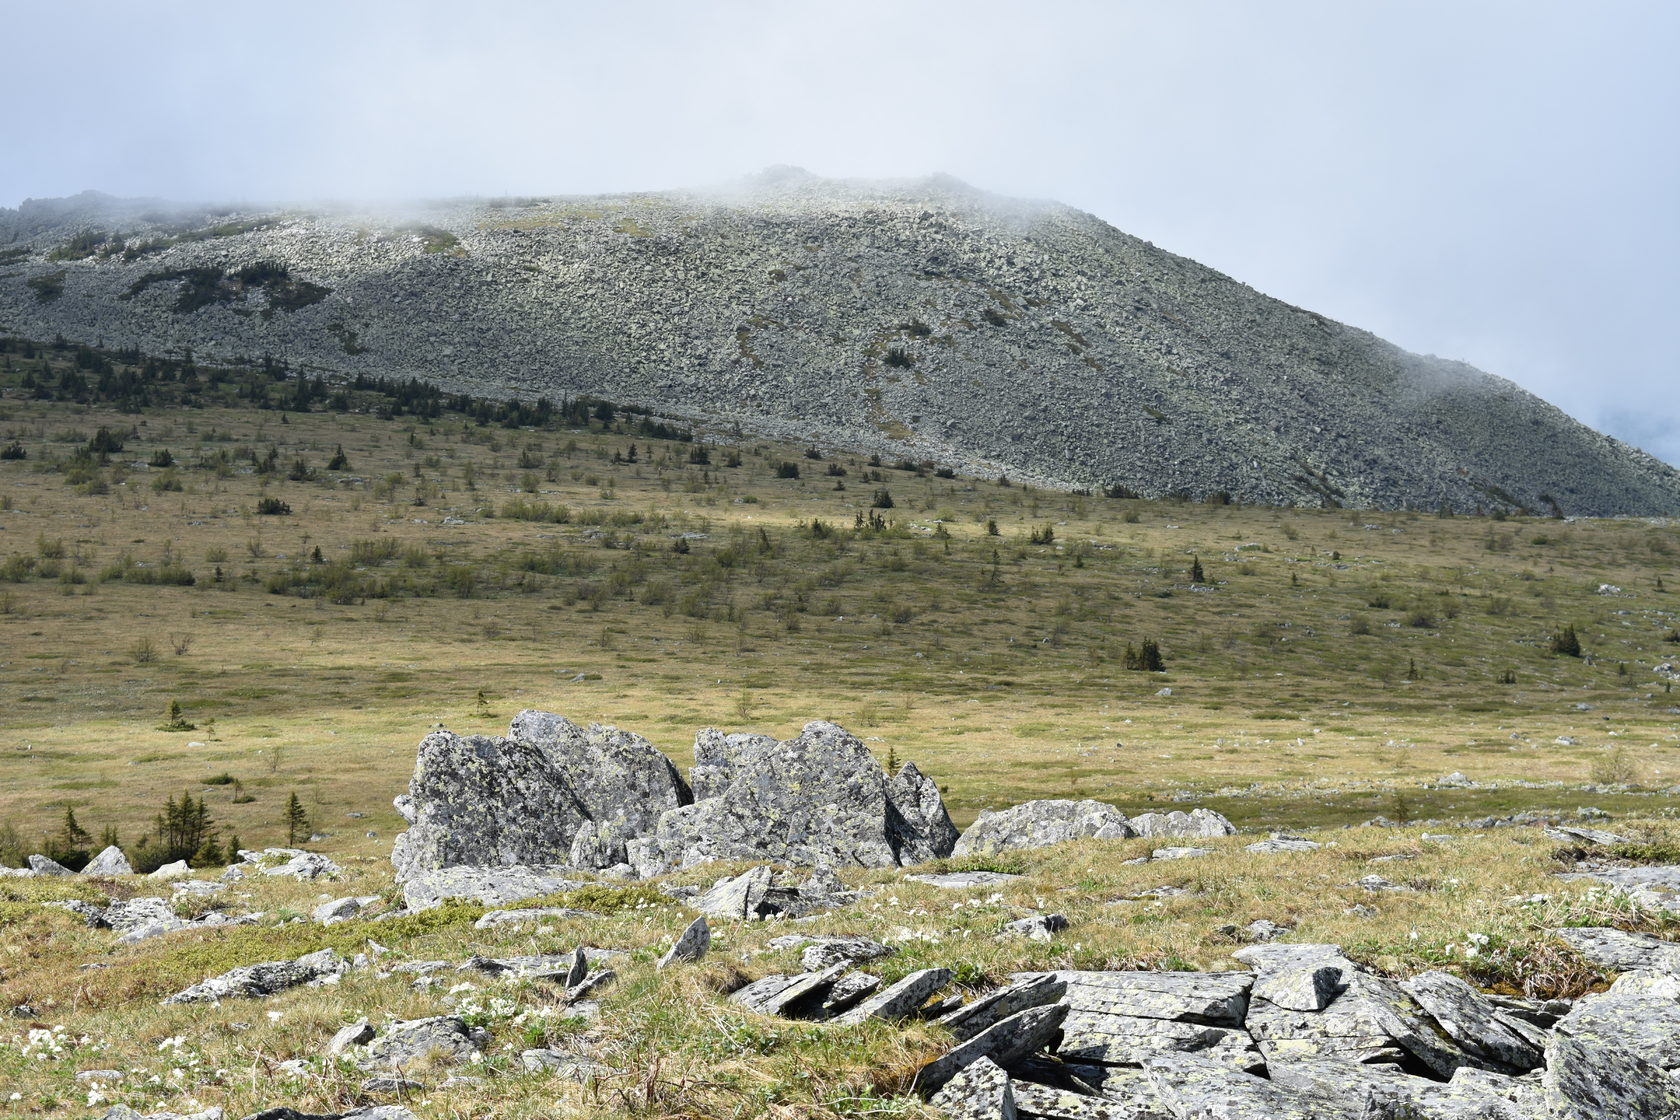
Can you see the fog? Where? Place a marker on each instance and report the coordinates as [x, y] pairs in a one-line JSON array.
[[1494, 182]]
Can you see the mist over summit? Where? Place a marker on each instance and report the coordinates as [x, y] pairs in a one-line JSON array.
[[923, 319]]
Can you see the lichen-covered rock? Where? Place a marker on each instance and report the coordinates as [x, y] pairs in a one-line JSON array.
[[111, 861], [917, 799], [265, 979], [1645, 1022], [1618, 949], [493, 886], [1195, 823], [718, 757], [994, 1007], [981, 1091], [1474, 1023], [521, 799], [46, 865], [820, 798], [1584, 1081], [1038, 824], [690, 945], [438, 1038], [1004, 1043], [900, 1000]]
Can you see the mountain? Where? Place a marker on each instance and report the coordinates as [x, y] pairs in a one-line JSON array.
[[918, 319]]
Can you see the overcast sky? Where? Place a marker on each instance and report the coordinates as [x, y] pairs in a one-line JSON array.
[[1496, 182]]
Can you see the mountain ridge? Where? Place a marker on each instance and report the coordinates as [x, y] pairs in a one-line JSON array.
[[919, 318]]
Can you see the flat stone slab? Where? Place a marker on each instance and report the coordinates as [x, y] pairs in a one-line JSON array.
[[979, 1092], [994, 1007], [264, 979], [1625, 952], [900, 1000], [1195, 1088], [1587, 1082], [691, 945], [492, 886], [1213, 998], [1651, 887], [1111, 1039], [1646, 1023], [494, 918], [1003, 1043], [1474, 1023]]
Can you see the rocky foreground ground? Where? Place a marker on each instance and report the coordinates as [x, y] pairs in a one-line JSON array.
[[557, 831]]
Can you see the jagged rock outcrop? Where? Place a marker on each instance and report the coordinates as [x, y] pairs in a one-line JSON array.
[[819, 798], [921, 318], [522, 799]]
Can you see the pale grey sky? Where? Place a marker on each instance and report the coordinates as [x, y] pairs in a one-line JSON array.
[[1492, 181]]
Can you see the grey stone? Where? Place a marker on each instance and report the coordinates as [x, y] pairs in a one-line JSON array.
[[305, 866], [109, 862], [1646, 1023], [1039, 927], [100, 1075], [397, 1085], [691, 945], [1112, 1038], [1003, 1043], [520, 800], [817, 799], [738, 898], [43, 865], [1577, 834], [1214, 998], [718, 757], [798, 998], [490, 919], [589, 985], [981, 1091], [574, 1067], [917, 799], [1651, 887], [1471, 1021], [1279, 842], [1617, 949], [341, 909], [1334, 1089], [1134, 1099], [1038, 824], [848, 991], [579, 969], [823, 952], [1588, 1082], [493, 886], [265, 979], [359, 1033], [1196, 823], [963, 880], [1180, 853], [900, 1000], [439, 1037], [993, 1007], [1197, 1088], [176, 870], [1372, 1020]]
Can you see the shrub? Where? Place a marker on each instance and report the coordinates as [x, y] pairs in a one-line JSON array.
[[900, 358], [1046, 535], [272, 507], [787, 470], [882, 500], [176, 720], [13, 450]]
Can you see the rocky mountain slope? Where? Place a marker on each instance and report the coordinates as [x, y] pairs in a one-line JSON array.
[[919, 319]]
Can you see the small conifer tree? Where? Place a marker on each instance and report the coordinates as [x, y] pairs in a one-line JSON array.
[[1196, 573], [296, 820]]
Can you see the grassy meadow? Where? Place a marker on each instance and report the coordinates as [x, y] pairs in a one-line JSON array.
[[1329, 666], [1326, 667]]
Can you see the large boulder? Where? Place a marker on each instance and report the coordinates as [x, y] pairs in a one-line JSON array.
[[820, 798], [522, 799], [1038, 824]]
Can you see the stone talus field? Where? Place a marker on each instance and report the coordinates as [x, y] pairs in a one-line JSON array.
[[922, 319]]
